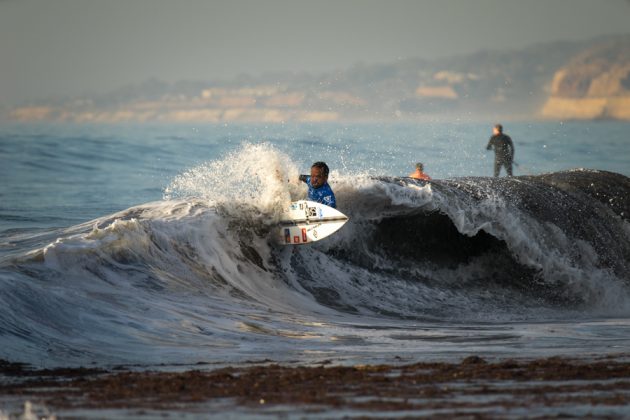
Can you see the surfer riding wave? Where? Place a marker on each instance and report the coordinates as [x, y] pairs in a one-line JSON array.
[[319, 190]]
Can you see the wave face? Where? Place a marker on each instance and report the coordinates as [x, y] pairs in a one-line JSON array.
[[195, 277]]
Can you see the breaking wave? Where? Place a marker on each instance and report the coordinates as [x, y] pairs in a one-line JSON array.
[[197, 273]]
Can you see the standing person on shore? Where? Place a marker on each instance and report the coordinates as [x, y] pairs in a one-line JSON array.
[[503, 150]]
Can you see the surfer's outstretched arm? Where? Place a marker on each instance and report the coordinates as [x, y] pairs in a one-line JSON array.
[[304, 178]]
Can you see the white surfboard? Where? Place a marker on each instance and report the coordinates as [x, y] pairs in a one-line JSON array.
[[307, 221]]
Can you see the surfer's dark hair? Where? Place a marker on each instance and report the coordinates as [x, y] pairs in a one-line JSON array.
[[322, 166]]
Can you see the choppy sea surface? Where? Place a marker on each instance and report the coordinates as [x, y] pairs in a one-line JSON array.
[[146, 245]]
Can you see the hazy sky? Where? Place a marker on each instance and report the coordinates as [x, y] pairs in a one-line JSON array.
[[68, 47]]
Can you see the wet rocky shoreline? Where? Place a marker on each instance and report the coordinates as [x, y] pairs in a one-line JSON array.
[[471, 388]]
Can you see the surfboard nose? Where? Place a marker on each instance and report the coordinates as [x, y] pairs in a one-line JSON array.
[[307, 221]]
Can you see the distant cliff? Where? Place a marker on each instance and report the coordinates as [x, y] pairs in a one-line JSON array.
[[562, 80], [594, 84]]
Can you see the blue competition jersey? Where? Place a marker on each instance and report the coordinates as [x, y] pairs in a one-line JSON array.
[[323, 194]]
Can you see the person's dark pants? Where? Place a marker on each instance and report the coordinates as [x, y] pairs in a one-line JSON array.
[[507, 163]]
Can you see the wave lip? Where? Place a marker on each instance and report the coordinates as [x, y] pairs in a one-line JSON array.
[[560, 238]]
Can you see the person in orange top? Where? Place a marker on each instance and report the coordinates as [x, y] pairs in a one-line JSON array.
[[419, 173]]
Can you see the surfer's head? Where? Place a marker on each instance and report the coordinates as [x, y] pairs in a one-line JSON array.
[[498, 129], [319, 174]]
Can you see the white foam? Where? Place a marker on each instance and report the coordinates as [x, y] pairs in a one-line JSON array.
[[255, 174]]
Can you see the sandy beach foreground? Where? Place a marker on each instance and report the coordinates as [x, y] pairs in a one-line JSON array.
[[472, 388]]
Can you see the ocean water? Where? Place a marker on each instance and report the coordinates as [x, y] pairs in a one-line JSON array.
[[149, 245]]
